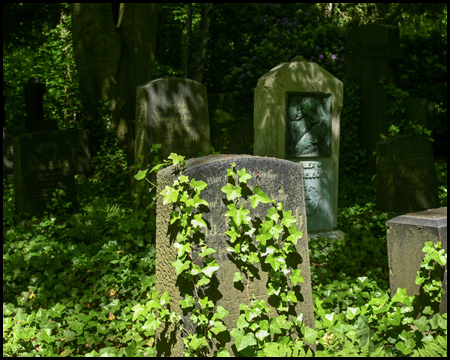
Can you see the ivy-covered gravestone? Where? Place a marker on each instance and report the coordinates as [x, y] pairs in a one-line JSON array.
[[224, 247]]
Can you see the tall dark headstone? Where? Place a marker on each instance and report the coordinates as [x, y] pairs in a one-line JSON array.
[[281, 180], [406, 177], [34, 103], [406, 237], [42, 163], [371, 53]]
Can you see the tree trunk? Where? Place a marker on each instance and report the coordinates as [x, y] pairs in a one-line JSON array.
[[200, 59], [113, 58], [187, 43]]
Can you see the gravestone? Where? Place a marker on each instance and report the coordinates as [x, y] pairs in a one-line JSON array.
[[372, 52], [406, 237], [78, 141], [281, 180], [406, 177], [42, 163], [34, 92], [296, 117], [172, 112]]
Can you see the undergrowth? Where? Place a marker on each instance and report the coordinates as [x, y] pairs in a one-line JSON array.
[[78, 285]]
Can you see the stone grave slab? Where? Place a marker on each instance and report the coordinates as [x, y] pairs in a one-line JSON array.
[[406, 237], [280, 179], [42, 163], [172, 112], [296, 117], [406, 177]]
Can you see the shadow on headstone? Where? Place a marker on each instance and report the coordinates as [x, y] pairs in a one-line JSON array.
[[282, 181]]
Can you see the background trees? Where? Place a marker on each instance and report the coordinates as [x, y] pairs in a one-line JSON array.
[[90, 52]]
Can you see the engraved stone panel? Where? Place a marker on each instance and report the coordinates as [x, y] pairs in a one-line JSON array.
[[308, 124], [281, 180], [43, 162], [406, 177]]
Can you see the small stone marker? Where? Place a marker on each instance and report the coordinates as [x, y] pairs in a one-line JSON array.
[[281, 180], [42, 163], [406, 237], [406, 177], [297, 107]]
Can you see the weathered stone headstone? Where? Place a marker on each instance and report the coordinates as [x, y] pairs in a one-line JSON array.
[[406, 237], [297, 108], [372, 52], [172, 112], [406, 177], [281, 180], [42, 163]]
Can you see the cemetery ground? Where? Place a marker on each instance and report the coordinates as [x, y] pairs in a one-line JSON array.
[[84, 285]]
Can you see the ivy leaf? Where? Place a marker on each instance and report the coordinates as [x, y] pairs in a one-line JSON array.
[[209, 270], [243, 341], [187, 302], [170, 195], [243, 176], [310, 335], [275, 261], [238, 215], [198, 221], [218, 327], [296, 277], [231, 191], [180, 266], [220, 313], [288, 219], [141, 174], [295, 235], [197, 185], [197, 201], [259, 196], [238, 277], [206, 252], [176, 159]]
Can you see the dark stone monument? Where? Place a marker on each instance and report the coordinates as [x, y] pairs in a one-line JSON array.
[[34, 92], [281, 180], [372, 52], [406, 177], [42, 163], [406, 237], [172, 112], [76, 141]]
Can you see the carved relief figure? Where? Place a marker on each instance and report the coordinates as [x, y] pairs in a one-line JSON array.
[[308, 124]]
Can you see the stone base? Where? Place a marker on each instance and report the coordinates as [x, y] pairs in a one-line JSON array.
[[334, 234]]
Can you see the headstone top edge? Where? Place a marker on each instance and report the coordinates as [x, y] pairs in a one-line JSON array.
[[171, 79], [226, 159], [433, 217]]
